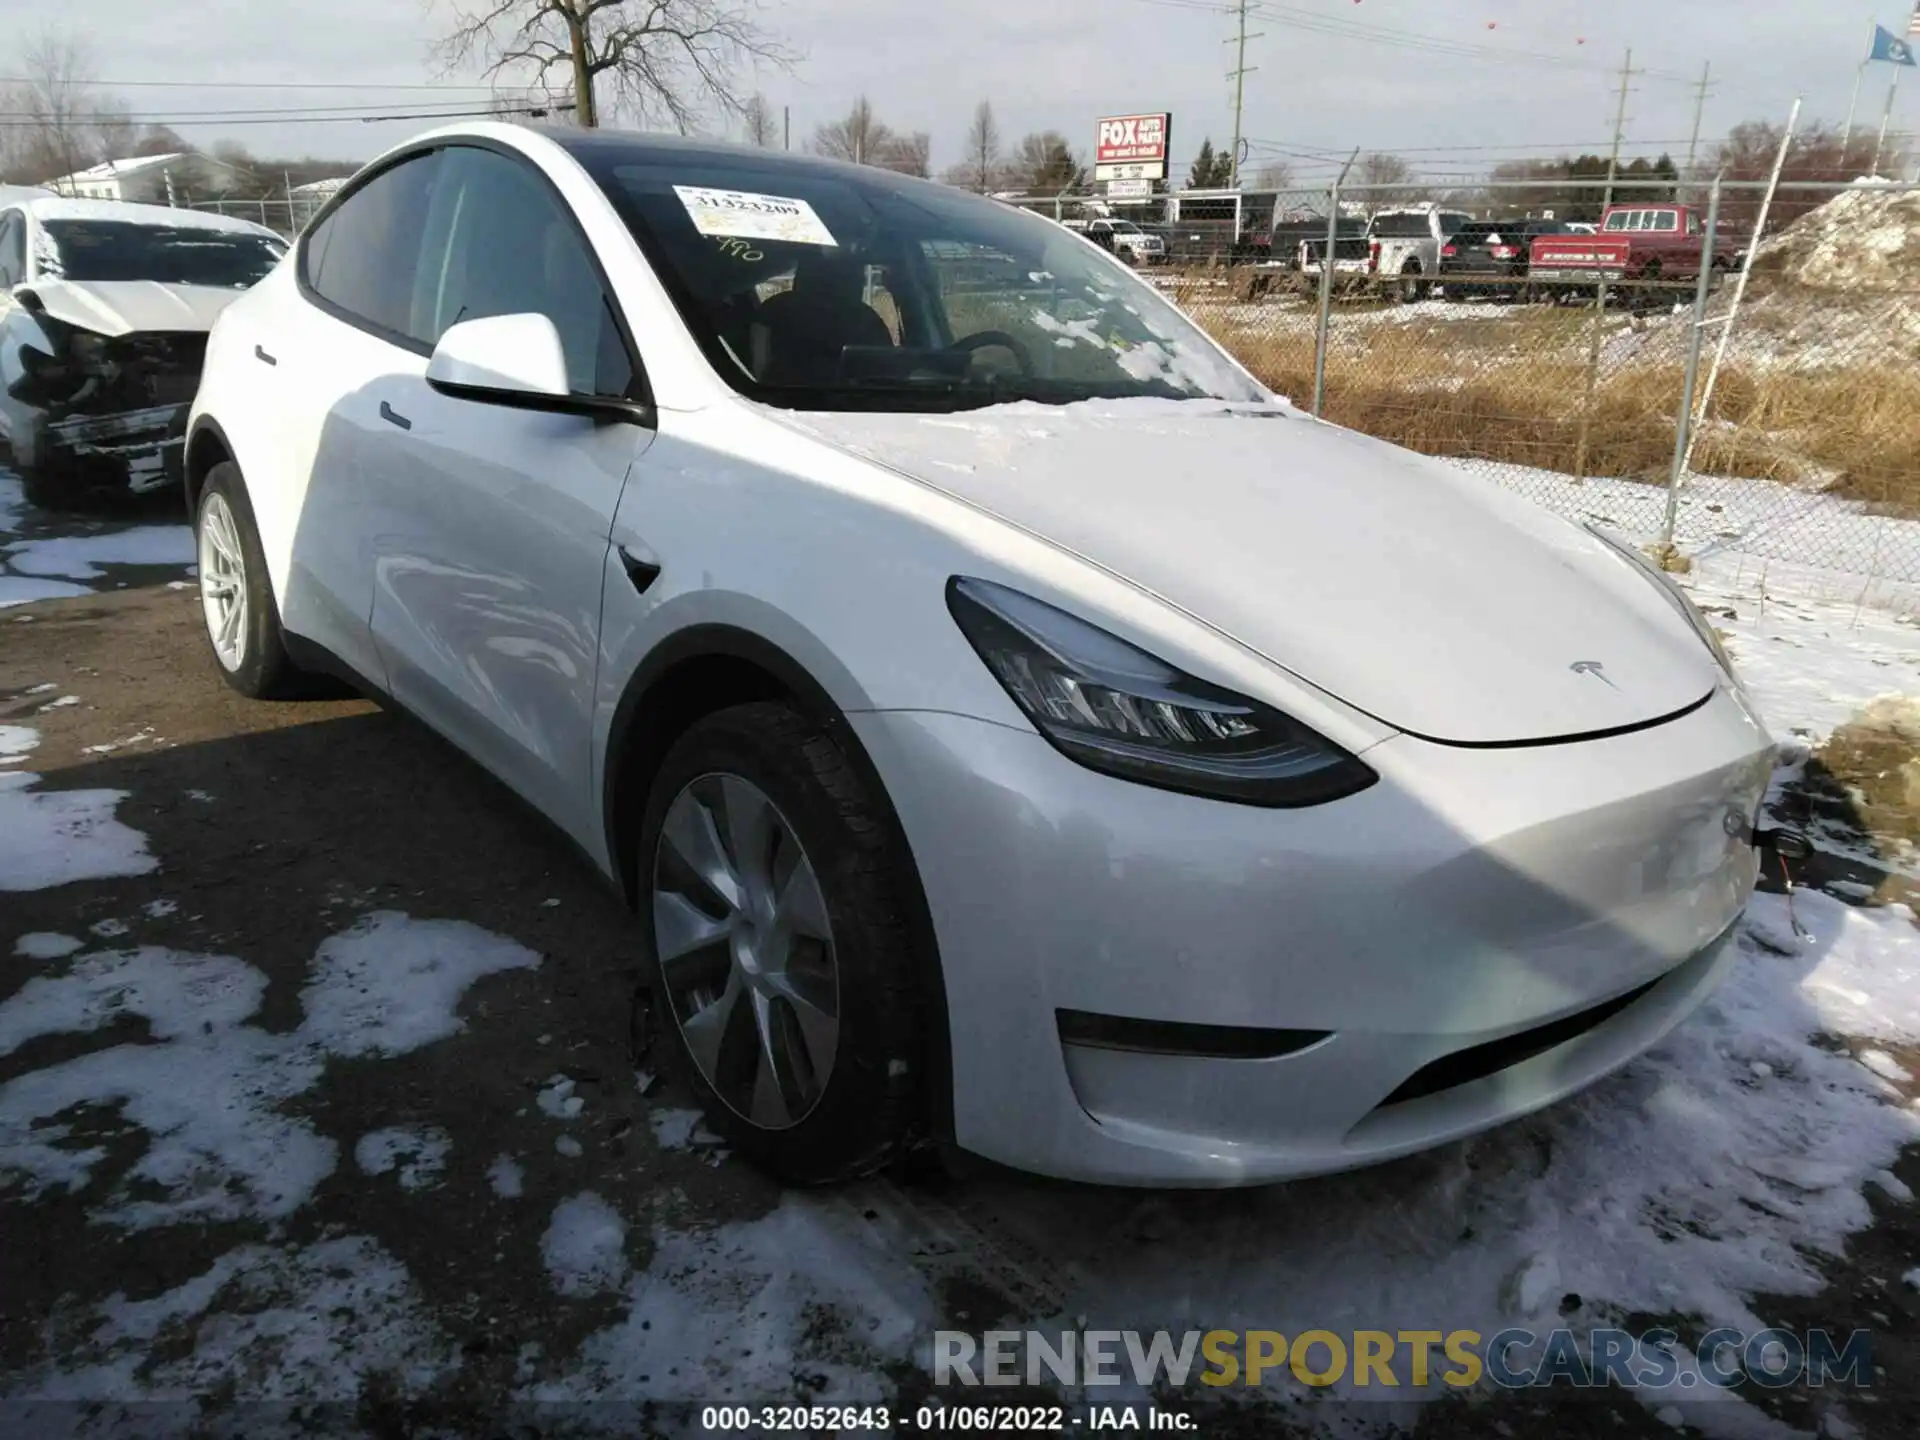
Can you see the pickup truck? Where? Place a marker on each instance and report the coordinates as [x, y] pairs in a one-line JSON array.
[[1403, 248], [1124, 238], [1634, 242], [1398, 251]]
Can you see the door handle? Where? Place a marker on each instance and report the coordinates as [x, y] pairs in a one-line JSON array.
[[260, 354], [394, 417]]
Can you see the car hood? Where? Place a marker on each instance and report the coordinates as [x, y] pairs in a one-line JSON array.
[[119, 307], [1413, 591]]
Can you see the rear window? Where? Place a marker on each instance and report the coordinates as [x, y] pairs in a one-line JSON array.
[[1402, 227]]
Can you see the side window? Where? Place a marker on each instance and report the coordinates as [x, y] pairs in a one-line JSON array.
[[1668, 221], [1618, 220], [500, 242], [13, 249], [363, 257]]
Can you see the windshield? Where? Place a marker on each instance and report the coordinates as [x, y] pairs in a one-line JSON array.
[[170, 254], [1125, 227], [818, 289]]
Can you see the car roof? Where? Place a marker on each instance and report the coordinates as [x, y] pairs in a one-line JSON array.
[[58, 207]]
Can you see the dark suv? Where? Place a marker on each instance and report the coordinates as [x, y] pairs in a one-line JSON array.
[[1489, 257]]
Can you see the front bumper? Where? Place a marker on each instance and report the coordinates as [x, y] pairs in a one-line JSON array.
[[1478, 935], [139, 450]]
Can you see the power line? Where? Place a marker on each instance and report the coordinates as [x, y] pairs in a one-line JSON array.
[[489, 113], [255, 85], [1377, 35], [253, 112]]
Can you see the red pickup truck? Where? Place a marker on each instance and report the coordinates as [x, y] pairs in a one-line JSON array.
[[1634, 242]]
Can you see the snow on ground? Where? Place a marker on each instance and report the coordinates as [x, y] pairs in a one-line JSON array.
[[37, 566], [208, 1088], [307, 1324], [585, 1246], [417, 1153], [725, 1313], [1724, 524], [79, 557], [55, 837]]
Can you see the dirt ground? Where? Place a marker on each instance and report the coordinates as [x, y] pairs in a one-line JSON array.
[[274, 826]]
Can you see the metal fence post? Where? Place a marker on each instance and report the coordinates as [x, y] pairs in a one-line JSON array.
[[1593, 380], [1325, 317], [1683, 425]]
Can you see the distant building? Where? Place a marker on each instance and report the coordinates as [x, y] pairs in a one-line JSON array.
[[178, 179], [319, 191]]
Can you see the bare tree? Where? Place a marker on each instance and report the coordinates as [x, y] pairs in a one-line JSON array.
[[756, 120], [859, 135], [1377, 168], [1046, 165], [908, 154], [1273, 175], [58, 104], [662, 59], [1374, 174], [983, 149]]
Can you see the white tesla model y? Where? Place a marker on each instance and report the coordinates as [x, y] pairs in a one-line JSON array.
[[1009, 721]]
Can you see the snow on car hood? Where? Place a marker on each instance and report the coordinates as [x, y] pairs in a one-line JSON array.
[[1412, 591], [119, 307]]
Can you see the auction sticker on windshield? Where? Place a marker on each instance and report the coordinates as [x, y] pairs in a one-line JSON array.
[[744, 215]]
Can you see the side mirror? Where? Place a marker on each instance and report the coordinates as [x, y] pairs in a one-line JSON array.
[[518, 361], [509, 354]]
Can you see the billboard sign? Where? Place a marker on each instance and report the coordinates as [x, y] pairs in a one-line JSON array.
[[1133, 147], [1129, 189]]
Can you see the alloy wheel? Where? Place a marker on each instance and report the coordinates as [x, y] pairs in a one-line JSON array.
[[223, 581], [746, 950]]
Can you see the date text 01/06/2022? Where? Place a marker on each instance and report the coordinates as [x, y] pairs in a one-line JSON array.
[[934, 1419]]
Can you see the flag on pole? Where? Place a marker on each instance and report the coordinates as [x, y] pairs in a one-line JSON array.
[[1891, 48]]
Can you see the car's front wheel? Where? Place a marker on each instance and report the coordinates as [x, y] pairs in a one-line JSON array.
[[243, 623], [775, 921]]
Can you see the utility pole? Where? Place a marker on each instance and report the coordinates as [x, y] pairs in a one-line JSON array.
[[1600, 290], [1886, 119], [1699, 114], [1619, 126], [1859, 75], [1239, 77], [786, 127]]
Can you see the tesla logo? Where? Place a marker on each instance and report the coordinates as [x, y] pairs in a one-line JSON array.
[[1593, 668]]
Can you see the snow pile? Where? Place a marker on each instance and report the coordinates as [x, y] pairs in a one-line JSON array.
[[1864, 238]]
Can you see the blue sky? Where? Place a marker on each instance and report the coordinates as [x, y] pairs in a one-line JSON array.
[[1063, 63]]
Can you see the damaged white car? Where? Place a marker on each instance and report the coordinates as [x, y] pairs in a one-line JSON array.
[[104, 314]]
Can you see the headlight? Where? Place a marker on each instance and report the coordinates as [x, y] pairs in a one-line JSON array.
[[1115, 708], [1676, 597]]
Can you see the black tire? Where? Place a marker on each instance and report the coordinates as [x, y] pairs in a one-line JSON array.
[[42, 488], [264, 671], [871, 1097], [1413, 286]]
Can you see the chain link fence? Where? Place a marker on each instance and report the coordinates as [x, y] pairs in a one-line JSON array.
[[288, 215], [1636, 375]]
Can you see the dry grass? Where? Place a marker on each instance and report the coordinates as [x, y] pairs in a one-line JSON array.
[[1515, 388]]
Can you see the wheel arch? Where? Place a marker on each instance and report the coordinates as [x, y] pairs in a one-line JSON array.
[[207, 446], [705, 668]]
